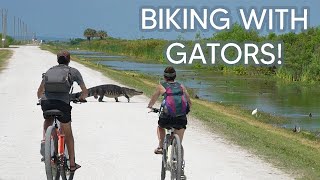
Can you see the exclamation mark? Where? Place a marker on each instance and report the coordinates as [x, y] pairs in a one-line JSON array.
[[279, 53]]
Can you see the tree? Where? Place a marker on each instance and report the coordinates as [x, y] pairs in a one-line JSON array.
[[102, 34], [89, 33]]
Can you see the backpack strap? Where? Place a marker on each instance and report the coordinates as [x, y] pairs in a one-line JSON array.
[[167, 85]]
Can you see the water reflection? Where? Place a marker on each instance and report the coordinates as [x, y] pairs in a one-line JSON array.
[[292, 101]]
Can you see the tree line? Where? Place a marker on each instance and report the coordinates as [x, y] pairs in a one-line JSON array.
[[92, 33], [301, 51]]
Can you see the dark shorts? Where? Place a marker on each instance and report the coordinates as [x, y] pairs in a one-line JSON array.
[[59, 105], [176, 122]]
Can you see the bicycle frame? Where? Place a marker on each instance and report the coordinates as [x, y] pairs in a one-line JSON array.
[[61, 138]]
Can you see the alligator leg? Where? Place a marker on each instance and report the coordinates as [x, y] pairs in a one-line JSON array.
[[127, 97], [95, 95], [101, 97], [116, 98]]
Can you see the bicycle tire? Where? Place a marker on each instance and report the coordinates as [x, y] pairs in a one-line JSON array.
[[63, 168], [164, 157], [51, 144], [176, 158]]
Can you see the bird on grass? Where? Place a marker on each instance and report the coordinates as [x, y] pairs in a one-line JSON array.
[[310, 115], [296, 129], [255, 112]]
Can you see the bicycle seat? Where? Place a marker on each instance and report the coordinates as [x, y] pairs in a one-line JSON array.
[[52, 113]]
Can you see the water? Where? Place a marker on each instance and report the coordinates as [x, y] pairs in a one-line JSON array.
[[291, 101]]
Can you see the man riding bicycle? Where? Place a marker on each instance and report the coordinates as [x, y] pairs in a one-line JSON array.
[[175, 106], [57, 96]]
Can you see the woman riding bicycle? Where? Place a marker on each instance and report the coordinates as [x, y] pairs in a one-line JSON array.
[[176, 105]]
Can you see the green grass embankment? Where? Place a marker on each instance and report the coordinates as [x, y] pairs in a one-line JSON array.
[[295, 153], [4, 56]]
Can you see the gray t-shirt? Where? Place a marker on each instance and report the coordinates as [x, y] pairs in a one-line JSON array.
[[65, 97]]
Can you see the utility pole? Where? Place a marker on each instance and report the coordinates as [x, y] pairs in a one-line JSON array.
[[4, 13], [22, 32], [26, 32], [14, 27], [18, 28]]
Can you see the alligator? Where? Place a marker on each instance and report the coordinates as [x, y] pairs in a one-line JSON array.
[[109, 90]]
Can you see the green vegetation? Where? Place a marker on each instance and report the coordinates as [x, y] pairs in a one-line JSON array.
[[296, 153], [9, 41], [4, 56], [150, 50], [301, 51], [91, 33]]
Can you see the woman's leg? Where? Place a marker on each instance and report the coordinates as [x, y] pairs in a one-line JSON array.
[[180, 133], [161, 134]]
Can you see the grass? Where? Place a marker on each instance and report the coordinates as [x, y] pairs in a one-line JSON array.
[[295, 153], [4, 56]]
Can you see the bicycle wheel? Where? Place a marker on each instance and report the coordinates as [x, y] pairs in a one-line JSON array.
[[164, 157], [176, 158], [62, 168], [50, 154]]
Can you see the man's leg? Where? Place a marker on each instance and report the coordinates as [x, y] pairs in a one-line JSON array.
[[67, 131], [46, 124]]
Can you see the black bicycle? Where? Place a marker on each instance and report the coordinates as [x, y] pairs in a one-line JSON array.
[[172, 158]]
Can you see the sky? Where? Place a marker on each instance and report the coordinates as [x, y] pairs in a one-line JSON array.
[[120, 18]]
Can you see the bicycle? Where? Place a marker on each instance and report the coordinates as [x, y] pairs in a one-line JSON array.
[[172, 158], [56, 156]]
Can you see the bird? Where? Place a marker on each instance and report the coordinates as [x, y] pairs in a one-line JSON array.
[[254, 112], [296, 129], [310, 115], [196, 96]]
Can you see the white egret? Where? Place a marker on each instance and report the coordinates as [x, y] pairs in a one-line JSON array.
[[254, 112]]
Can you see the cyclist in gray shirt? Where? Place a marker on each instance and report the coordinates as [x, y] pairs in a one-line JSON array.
[[61, 101]]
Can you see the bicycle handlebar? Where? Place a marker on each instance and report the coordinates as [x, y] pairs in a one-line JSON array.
[[155, 110], [76, 100]]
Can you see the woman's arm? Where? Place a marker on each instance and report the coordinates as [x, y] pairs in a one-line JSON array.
[[155, 96], [187, 95]]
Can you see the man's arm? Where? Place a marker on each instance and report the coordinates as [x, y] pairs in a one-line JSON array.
[[84, 93], [154, 97], [40, 90]]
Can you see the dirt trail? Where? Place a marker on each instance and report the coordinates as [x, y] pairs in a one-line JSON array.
[[114, 141]]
